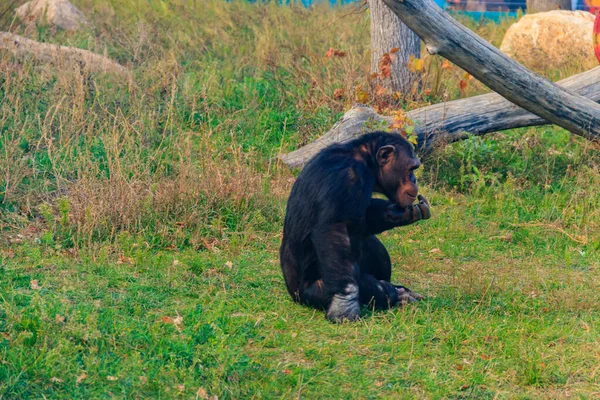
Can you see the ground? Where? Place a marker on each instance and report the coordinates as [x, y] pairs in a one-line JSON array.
[[141, 222]]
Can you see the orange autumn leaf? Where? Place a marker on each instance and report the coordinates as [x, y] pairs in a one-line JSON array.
[[396, 126], [384, 65], [176, 322], [394, 50], [338, 93], [335, 52], [385, 59], [380, 90], [446, 65], [386, 71], [462, 85], [400, 121]]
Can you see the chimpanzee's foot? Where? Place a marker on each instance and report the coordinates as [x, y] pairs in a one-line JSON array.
[[345, 306], [407, 296]]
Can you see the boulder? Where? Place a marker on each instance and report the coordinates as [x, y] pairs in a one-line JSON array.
[[59, 13], [552, 40], [59, 56]]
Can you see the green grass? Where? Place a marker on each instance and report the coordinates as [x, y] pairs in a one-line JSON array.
[[514, 317], [140, 223]]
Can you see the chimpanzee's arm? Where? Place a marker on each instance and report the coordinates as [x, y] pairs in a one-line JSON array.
[[383, 215], [376, 217]]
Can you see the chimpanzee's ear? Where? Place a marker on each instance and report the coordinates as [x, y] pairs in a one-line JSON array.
[[385, 154]]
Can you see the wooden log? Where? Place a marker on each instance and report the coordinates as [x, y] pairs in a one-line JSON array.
[[446, 122], [59, 55], [443, 35]]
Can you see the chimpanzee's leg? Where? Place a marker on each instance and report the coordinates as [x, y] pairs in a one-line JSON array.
[[375, 259], [339, 271], [376, 271], [315, 295], [378, 294]]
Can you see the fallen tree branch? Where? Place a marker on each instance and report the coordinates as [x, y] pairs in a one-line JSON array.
[[59, 55], [443, 35], [446, 122]]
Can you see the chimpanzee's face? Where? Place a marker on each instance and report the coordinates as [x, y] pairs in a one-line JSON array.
[[396, 178]]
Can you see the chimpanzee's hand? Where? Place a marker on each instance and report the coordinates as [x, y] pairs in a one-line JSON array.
[[409, 215], [423, 206]]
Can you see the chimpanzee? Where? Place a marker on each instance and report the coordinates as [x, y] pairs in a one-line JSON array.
[[329, 254]]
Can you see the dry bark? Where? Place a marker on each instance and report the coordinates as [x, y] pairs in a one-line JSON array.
[[388, 32]]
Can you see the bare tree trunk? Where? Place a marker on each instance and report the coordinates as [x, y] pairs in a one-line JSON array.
[[388, 32], [534, 6]]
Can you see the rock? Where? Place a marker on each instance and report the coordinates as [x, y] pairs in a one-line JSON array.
[[59, 55], [552, 40], [59, 13]]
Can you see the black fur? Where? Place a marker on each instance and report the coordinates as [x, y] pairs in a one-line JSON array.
[[328, 247]]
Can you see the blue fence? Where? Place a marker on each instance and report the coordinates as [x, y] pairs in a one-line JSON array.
[[478, 9]]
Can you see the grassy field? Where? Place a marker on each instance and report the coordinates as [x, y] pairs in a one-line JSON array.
[[141, 219]]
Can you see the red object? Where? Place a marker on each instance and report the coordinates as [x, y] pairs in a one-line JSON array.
[[597, 36]]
